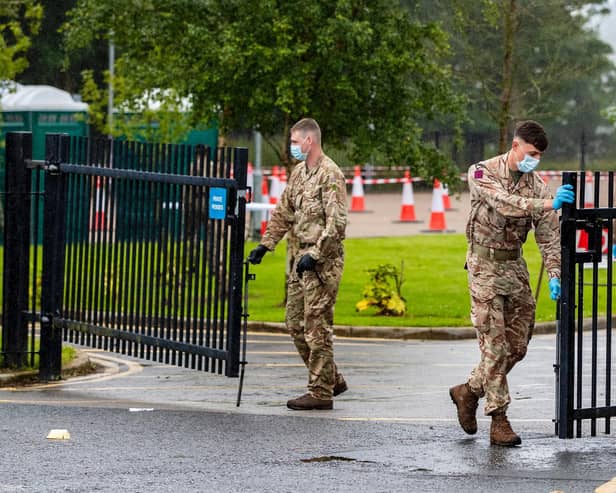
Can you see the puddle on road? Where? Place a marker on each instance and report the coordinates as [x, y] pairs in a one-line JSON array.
[[339, 458], [329, 458], [332, 458]]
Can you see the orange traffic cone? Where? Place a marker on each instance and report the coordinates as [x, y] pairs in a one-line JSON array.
[[99, 208], [588, 191], [437, 216], [265, 199], [275, 186], [250, 181], [283, 180], [446, 201], [582, 240], [407, 211], [357, 193]]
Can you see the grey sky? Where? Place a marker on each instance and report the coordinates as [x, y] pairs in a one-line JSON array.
[[607, 27]]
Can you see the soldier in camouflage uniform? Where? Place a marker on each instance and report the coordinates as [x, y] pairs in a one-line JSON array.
[[312, 208], [508, 199]]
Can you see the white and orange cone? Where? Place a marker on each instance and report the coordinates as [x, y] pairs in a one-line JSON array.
[[407, 210], [582, 240], [265, 199], [274, 194], [437, 215], [99, 206], [283, 180], [589, 191], [357, 193], [582, 237], [250, 181], [446, 200]]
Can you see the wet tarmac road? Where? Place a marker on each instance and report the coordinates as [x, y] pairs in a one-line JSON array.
[[148, 427]]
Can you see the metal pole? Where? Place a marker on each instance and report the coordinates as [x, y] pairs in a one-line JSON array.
[[16, 249], [539, 279], [255, 217], [240, 165], [583, 151], [566, 325], [54, 224], [247, 277], [110, 84]]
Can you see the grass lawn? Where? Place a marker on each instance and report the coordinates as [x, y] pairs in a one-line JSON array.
[[435, 282]]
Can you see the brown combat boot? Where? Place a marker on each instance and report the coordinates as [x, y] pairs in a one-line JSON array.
[[340, 387], [466, 402], [307, 402], [501, 432]]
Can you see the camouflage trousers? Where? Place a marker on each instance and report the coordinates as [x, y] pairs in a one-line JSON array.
[[503, 313], [309, 319]]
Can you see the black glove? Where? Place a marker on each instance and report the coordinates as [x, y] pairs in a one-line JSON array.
[[257, 253], [305, 263]]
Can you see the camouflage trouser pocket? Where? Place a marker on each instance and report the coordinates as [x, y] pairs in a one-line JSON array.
[[487, 313]]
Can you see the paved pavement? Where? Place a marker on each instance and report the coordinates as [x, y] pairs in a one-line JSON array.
[[142, 426], [383, 213]]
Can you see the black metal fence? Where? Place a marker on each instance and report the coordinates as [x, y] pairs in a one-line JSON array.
[[22, 231], [142, 252], [584, 374]]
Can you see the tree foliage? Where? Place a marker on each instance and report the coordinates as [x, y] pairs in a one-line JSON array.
[[52, 66], [19, 20], [368, 73], [517, 59]]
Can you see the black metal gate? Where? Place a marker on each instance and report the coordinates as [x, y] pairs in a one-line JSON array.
[[584, 358], [142, 252]]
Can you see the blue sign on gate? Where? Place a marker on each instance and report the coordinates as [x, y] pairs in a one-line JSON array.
[[218, 203]]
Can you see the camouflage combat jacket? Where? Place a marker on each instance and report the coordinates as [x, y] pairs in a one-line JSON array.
[[314, 207], [503, 211]]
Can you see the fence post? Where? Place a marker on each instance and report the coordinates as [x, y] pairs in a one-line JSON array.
[[17, 205], [54, 233], [566, 325], [240, 168]]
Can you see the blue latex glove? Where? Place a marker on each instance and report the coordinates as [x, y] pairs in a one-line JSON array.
[[564, 195], [613, 252], [555, 288]]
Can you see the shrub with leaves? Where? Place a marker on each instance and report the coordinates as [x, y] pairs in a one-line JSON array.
[[384, 291]]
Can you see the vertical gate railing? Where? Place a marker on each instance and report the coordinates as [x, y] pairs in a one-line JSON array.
[[142, 252], [21, 233], [584, 379]]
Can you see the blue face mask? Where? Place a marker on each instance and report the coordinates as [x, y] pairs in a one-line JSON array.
[[296, 152], [528, 164]]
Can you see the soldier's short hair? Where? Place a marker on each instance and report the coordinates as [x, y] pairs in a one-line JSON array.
[[308, 125], [533, 133]]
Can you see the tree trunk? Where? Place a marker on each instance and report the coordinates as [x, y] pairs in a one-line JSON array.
[[510, 27]]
